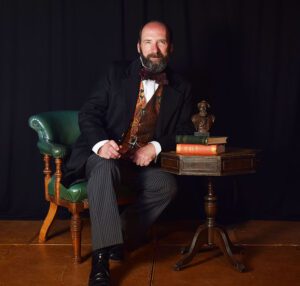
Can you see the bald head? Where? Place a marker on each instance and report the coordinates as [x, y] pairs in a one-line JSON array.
[[156, 25]]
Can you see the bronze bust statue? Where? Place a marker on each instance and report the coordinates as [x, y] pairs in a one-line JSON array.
[[202, 120]]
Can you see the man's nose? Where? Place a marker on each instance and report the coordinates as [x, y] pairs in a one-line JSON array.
[[155, 48]]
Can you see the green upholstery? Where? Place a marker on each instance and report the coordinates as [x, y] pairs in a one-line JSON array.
[[57, 131], [75, 193]]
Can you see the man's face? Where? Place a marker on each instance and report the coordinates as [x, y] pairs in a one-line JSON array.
[[154, 47]]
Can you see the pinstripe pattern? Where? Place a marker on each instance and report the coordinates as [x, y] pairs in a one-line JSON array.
[[155, 191], [103, 175]]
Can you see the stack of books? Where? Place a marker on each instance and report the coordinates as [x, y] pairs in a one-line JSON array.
[[200, 145]]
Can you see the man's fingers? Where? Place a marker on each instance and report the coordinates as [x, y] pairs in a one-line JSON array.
[[141, 160], [114, 144], [144, 155], [110, 150], [143, 163]]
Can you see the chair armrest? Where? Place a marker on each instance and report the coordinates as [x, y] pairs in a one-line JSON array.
[[42, 127], [53, 149], [46, 134]]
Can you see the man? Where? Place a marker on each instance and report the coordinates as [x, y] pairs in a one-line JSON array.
[[134, 114]]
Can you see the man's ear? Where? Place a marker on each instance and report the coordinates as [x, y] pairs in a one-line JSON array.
[[171, 48], [138, 47]]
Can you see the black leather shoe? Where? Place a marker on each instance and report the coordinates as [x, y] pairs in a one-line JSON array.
[[116, 253], [100, 275]]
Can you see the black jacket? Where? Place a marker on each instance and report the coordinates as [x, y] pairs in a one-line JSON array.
[[108, 112]]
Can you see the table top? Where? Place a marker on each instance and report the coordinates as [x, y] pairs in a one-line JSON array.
[[235, 161]]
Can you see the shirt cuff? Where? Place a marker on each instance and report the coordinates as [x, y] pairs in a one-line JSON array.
[[98, 145], [156, 146]]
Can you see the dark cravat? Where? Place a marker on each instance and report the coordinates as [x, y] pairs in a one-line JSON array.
[[160, 78]]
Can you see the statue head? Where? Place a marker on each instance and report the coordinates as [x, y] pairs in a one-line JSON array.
[[203, 105]]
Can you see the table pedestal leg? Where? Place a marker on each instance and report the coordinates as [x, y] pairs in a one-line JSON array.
[[210, 236]]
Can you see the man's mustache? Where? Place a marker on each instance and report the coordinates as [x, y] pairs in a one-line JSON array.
[[157, 55]]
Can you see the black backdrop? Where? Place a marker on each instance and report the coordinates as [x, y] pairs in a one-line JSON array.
[[243, 56]]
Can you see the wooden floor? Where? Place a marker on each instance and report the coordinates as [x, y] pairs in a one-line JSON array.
[[272, 256]]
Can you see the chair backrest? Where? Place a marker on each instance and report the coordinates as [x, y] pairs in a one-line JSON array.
[[56, 126]]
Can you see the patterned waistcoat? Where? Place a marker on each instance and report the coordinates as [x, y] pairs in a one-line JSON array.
[[143, 123]]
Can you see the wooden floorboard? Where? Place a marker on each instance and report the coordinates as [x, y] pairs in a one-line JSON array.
[[272, 256]]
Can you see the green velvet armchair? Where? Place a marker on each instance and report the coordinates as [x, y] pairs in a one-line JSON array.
[[57, 131]]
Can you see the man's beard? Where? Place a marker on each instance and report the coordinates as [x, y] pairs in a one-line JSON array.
[[154, 67]]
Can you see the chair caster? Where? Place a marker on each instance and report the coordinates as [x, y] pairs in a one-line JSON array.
[[240, 267], [184, 250], [177, 267]]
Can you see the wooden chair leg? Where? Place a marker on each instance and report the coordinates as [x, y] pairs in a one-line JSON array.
[[47, 222], [76, 237]]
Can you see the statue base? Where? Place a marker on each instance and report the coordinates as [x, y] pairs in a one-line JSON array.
[[204, 134]]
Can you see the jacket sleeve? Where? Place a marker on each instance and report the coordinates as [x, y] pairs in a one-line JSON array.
[[92, 115]]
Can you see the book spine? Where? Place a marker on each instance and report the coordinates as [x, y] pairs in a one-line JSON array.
[[191, 139], [197, 149]]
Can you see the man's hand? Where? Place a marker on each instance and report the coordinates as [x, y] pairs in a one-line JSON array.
[[144, 155], [110, 150]]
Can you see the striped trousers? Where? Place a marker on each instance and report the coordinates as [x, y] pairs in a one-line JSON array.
[[155, 189]]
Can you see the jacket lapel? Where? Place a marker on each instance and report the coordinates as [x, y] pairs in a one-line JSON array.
[[168, 106], [130, 90]]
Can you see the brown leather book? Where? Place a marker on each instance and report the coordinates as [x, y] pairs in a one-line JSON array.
[[200, 149]]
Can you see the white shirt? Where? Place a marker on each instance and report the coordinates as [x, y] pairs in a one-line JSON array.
[[150, 86]]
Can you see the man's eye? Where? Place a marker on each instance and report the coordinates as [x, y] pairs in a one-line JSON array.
[[163, 42]]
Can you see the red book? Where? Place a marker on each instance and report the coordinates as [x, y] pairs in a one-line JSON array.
[[199, 149]]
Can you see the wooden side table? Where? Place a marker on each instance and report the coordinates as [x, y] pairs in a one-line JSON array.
[[210, 235]]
